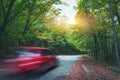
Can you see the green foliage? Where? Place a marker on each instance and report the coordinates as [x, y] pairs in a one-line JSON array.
[[99, 39], [32, 23], [115, 68], [19, 20]]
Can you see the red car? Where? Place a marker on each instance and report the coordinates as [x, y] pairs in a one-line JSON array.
[[29, 58]]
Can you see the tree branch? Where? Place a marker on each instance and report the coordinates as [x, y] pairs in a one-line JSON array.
[[6, 17], [3, 8], [17, 13]]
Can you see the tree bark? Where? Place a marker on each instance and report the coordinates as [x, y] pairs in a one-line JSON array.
[[115, 33], [5, 18], [28, 20], [95, 47], [116, 3]]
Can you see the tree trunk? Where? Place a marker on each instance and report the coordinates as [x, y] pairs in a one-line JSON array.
[[28, 19], [6, 17], [116, 3], [115, 33], [95, 47], [106, 47]]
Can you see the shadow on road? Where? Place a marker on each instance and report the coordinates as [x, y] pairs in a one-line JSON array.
[[32, 75]]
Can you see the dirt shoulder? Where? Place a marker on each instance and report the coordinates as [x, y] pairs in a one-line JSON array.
[[85, 69]]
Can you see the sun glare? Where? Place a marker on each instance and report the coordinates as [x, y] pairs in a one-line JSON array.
[[71, 21]]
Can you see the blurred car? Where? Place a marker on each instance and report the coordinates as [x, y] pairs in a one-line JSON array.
[[28, 59]]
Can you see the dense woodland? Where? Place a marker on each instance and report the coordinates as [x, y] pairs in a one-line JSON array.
[[101, 31], [35, 23]]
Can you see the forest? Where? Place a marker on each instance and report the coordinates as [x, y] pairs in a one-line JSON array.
[[35, 23]]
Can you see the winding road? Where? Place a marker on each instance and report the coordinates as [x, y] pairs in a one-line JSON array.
[[57, 73]]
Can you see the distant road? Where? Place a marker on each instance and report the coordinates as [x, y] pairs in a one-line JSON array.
[[58, 73]]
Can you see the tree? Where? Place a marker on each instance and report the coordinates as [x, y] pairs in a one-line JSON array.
[[101, 35], [20, 18], [115, 33]]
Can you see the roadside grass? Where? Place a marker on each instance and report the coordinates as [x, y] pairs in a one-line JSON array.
[[115, 68]]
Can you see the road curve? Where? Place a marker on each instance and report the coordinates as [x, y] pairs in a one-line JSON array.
[[58, 73]]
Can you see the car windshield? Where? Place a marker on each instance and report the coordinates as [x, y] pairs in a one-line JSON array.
[[26, 54]]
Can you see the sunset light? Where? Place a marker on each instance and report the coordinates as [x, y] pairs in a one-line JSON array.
[[71, 21], [60, 40]]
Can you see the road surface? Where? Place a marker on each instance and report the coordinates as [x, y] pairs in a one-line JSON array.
[[57, 73]]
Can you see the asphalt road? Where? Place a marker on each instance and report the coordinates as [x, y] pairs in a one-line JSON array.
[[57, 73]]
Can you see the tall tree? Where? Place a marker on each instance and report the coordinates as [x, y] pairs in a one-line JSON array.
[[19, 17], [115, 32], [102, 30]]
